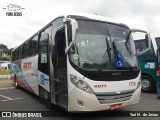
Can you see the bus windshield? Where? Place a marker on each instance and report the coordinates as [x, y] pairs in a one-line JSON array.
[[93, 48]]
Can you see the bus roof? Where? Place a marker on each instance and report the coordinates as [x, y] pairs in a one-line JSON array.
[[93, 17]]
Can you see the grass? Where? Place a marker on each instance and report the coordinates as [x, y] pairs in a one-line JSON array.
[[5, 72]]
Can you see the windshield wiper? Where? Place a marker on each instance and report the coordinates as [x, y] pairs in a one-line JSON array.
[[104, 58], [126, 43], [118, 53]]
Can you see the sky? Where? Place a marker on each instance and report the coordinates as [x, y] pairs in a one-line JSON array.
[[137, 14]]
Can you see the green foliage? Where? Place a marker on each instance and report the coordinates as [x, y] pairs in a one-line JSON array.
[[5, 72], [10, 50], [3, 47], [5, 58]]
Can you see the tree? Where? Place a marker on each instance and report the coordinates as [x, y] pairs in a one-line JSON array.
[[5, 53], [10, 50], [3, 47], [4, 58]]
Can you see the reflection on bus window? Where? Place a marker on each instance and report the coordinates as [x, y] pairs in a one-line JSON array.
[[44, 52], [140, 45]]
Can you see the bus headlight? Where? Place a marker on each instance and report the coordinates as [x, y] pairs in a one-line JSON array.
[[81, 84]]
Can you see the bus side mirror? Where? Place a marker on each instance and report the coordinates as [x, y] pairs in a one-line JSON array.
[[74, 27], [148, 42], [147, 39]]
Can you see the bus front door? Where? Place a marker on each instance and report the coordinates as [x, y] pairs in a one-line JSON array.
[[61, 70]]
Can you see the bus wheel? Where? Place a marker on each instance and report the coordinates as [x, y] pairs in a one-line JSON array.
[[147, 84]]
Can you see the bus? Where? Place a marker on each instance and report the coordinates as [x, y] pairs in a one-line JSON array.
[[148, 63], [5, 65], [80, 62]]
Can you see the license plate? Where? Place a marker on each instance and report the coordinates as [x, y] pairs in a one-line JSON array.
[[116, 106]]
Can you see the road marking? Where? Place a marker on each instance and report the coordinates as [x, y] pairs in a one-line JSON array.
[[12, 99], [8, 98]]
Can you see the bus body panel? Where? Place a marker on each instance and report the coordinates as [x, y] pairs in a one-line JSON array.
[[113, 86], [44, 80], [26, 74], [148, 65], [29, 70], [106, 88], [88, 102]]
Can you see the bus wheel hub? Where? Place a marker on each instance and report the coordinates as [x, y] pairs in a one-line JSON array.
[[146, 84]]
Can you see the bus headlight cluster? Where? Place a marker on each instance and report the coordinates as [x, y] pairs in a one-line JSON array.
[[81, 84]]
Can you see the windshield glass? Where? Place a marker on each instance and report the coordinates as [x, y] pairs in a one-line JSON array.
[[93, 48]]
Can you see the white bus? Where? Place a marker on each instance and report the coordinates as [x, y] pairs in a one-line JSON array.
[[5, 65], [80, 62]]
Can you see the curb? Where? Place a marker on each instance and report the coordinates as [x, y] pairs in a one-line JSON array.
[[6, 84], [5, 76], [7, 88]]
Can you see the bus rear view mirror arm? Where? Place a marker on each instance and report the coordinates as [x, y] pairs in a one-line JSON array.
[[68, 48], [74, 28], [147, 37]]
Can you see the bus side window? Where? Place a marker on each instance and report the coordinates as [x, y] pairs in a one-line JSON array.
[[25, 49], [56, 25], [60, 62], [33, 46], [43, 54], [43, 47]]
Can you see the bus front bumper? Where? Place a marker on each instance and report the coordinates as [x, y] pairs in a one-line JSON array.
[[83, 101]]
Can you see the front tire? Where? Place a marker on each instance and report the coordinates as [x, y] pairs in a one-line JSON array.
[[148, 84]]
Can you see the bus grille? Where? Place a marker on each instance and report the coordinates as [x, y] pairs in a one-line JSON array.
[[114, 98]]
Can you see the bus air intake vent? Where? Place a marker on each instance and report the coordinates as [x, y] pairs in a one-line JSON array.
[[114, 98]]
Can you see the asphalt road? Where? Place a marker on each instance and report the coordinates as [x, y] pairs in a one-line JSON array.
[[20, 100]]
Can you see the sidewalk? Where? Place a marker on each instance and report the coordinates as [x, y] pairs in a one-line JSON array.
[[4, 83]]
